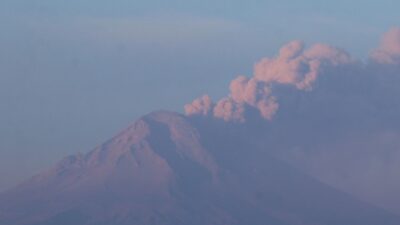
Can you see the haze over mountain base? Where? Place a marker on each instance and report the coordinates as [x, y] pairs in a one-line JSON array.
[[312, 138], [170, 169]]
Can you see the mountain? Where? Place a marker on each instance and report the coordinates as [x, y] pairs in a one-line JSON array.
[[167, 169]]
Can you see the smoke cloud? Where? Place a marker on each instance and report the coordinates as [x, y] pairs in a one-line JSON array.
[[294, 66], [333, 116], [389, 50]]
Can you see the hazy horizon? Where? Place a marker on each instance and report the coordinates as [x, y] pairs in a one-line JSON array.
[[314, 84], [75, 73]]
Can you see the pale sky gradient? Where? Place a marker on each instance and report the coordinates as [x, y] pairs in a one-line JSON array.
[[73, 73]]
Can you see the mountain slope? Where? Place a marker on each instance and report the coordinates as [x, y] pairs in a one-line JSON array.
[[163, 170]]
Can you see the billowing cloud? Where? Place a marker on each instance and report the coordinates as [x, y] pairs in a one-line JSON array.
[[332, 116], [202, 106], [389, 50], [294, 66], [298, 67]]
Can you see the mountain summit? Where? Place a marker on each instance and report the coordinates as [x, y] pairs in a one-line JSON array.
[[162, 170]]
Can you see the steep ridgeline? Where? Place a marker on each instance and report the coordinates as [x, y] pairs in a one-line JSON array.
[[163, 171]]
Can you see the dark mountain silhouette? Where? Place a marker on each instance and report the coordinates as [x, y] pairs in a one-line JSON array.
[[163, 170]]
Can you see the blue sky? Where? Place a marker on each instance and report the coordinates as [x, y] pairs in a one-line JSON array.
[[72, 73]]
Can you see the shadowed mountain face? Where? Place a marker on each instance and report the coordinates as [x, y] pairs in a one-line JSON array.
[[163, 170]]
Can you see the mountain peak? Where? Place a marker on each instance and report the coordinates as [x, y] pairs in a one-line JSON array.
[[163, 170], [167, 125]]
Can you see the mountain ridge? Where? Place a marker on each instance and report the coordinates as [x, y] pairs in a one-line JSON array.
[[162, 169]]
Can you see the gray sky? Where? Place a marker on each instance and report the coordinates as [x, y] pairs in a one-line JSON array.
[[73, 73]]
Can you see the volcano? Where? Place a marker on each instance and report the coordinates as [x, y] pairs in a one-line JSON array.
[[168, 169]]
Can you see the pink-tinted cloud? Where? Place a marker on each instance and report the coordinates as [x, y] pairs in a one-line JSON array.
[[298, 67], [389, 50], [199, 106], [227, 109], [294, 66], [334, 117]]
